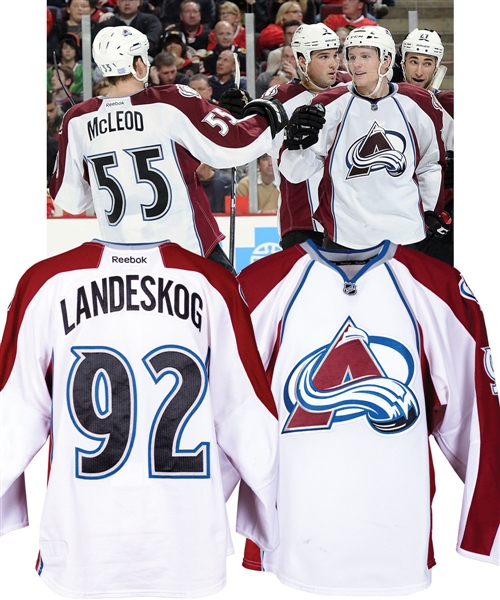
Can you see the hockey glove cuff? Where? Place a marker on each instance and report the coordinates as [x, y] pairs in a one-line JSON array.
[[234, 101], [271, 109], [305, 124], [437, 225]]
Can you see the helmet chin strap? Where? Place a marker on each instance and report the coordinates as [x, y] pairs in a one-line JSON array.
[[144, 79]]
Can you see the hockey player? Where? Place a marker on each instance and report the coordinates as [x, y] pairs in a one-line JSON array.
[[380, 149], [419, 58], [368, 353], [139, 363], [134, 153], [315, 48]]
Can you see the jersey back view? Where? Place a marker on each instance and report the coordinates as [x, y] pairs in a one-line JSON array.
[[130, 360]]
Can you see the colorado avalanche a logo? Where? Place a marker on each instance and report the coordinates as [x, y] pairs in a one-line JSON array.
[[378, 149], [345, 380]]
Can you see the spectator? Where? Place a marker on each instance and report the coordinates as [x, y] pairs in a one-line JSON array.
[[71, 23], [171, 15], [272, 36], [127, 13], [260, 10], [342, 32], [286, 70], [190, 25], [54, 116], [223, 33], [352, 16], [229, 12], [388, 160], [267, 188], [223, 79], [308, 8], [164, 71], [217, 185], [63, 98], [174, 44], [201, 84], [69, 53], [274, 56]]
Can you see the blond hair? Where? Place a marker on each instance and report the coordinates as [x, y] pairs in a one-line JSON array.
[[284, 8]]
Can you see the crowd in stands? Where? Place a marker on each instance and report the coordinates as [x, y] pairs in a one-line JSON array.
[[193, 42]]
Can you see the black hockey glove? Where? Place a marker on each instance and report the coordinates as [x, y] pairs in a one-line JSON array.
[[437, 225], [448, 174], [304, 126], [234, 101], [271, 109]]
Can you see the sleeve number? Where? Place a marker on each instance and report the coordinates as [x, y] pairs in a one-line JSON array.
[[102, 401], [215, 121], [142, 160]]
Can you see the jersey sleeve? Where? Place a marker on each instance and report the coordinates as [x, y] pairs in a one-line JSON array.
[[25, 405], [247, 430], [69, 185], [212, 134], [466, 417]]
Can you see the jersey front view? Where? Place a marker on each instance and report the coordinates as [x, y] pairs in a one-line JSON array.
[[135, 158], [140, 365], [368, 353], [382, 164]]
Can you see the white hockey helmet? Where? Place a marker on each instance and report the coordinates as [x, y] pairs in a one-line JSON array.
[[115, 48], [372, 36], [308, 38], [423, 41]]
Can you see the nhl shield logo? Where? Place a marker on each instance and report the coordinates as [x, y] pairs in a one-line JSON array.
[[350, 288]]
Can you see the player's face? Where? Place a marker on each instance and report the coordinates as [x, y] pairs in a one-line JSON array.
[[202, 88], [190, 14], [363, 64], [167, 74], [223, 34], [129, 7], [322, 70], [225, 63], [419, 69]]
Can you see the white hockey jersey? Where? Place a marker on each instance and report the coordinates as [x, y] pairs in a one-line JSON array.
[[135, 159], [382, 162], [140, 365], [369, 352]]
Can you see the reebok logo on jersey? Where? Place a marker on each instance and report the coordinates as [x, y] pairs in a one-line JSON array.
[[378, 149], [130, 259], [111, 103], [346, 380]]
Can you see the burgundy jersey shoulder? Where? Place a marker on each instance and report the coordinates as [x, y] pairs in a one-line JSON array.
[[331, 95], [86, 256], [82, 108], [285, 91], [447, 100], [424, 98], [343, 77], [260, 277]]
